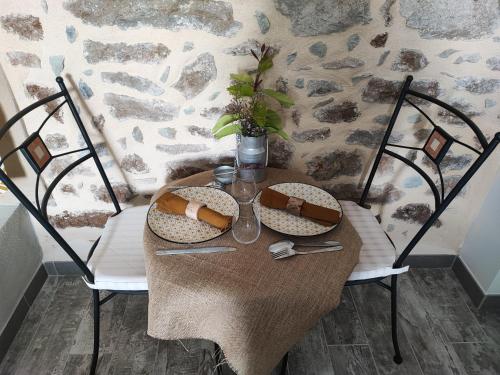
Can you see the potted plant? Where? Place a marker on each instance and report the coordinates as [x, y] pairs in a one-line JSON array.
[[250, 117]]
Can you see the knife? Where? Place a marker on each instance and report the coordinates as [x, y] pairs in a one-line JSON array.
[[199, 250]]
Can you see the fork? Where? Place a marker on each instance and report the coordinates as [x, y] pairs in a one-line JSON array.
[[289, 252]]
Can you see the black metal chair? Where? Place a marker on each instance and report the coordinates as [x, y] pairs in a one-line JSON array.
[[120, 225], [435, 148]]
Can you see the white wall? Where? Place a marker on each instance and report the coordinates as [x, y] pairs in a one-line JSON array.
[[481, 248]]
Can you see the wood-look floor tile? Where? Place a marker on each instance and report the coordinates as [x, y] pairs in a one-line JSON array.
[[479, 358], [352, 360]]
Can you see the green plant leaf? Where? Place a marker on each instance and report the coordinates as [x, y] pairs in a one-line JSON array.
[[242, 77], [223, 121], [283, 99], [259, 114], [265, 63], [227, 130], [241, 89], [273, 119]]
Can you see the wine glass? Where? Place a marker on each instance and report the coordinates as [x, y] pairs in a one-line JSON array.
[[246, 227], [243, 188]]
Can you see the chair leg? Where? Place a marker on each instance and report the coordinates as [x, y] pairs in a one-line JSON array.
[[218, 352], [394, 319], [95, 354], [284, 364]]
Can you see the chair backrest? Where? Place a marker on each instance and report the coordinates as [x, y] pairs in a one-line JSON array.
[[39, 157], [435, 148]]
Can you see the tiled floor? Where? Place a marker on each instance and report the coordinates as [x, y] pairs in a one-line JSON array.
[[441, 333]]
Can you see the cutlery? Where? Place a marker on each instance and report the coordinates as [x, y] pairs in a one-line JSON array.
[[288, 252], [199, 250], [289, 244]]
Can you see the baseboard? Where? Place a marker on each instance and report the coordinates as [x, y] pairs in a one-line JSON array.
[[430, 261], [473, 289], [22, 308]]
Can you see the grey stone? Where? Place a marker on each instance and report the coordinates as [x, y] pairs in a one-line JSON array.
[[168, 133], [415, 118], [379, 40], [385, 11], [133, 163], [182, 148], [280, 153], [148, 53], [88, 72], [165, 74], [347, 62], [335, 164], [122, 192], [196, 76], [493, 63], [137, 134], [469, 57], [488, 103], [188, 46], [198, 130], [387, 193], [44, 5], [214, 96], [299, 83], [311, 135], [321, 17], [41, 92], [323, 103], [211, 16], [71, 33], [189, 110], [296, 116], [302, 68], [245, 48], [123, 107], [95, 219], [212, 113], [346, 111], [409, 60], [282, 85], [477, 85], [56, 141], [371, 138], [134, 82], [68, 189], [353, 41], [383, 57], [27, 59], [180, 170], [455, 163], [291, 58], [356, 79], [85, 90], [262, 21], [27, 27], [449, 19], [379, 90], [57, 64], [464, 107], [318, 49], [414, 213], [382, 119], [122, 142], [98, 121], [447, 53], [101, 149], [322, 87], [386, 165]]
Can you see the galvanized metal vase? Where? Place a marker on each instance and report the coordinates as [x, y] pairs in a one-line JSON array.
[[251, 157]]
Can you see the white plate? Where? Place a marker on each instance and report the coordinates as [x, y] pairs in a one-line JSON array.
[[181, 229], [283, 222]]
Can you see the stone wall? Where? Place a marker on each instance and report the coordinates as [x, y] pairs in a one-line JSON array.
[[150, 76]]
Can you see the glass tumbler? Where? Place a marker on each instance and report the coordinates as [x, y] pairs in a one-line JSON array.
[[246, 227], [242, 189]]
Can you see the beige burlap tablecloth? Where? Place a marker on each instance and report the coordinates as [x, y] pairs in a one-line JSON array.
[[254, 307]]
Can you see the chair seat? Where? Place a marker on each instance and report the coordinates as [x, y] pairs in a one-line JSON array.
[[118, 259], [377, 254]]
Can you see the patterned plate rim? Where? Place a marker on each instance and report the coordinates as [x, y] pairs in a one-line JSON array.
[[304, 235], [195, 242]]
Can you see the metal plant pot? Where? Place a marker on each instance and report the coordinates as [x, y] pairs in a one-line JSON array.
[[251, 157]]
